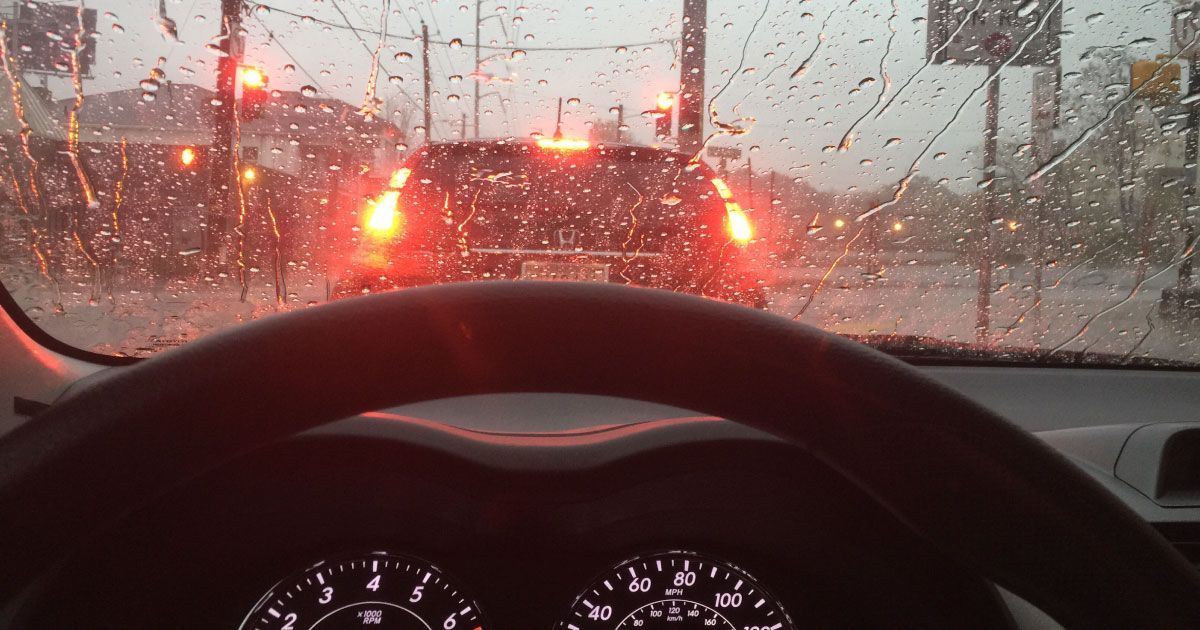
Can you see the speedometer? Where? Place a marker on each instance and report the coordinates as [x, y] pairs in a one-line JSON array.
[[676, 590], [374, 590]]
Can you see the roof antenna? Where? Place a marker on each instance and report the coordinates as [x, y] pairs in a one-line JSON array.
[[558, 123]]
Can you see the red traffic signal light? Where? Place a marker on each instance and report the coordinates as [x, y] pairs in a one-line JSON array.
[[254, 92], [664, 107], [187, 157]]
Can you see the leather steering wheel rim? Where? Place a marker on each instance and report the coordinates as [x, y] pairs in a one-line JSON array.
[[988, 493]]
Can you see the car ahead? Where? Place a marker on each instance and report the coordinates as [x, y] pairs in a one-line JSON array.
[[555, 209]]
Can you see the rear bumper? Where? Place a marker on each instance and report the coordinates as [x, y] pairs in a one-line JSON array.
[[649, 269]]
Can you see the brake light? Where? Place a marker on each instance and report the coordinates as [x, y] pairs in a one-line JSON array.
[[383, 218], [563, 144], [383, 213], [739, 224], [740, 229]]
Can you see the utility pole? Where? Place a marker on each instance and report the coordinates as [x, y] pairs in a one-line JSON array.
[[558, 134], [983, 315], [1190, 151], [620, 122], [475, 103], [221, 153], [462, 127], [428, 82], [691, 76], [749, 183], [1046, 85]]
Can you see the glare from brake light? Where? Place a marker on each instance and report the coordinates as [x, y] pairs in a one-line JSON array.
[[563, 144], [665, 100], [722, 188], [383, 218], [739, 224], [187, 156], [399, 178]]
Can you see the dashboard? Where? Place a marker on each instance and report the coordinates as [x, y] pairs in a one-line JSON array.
[[564, 512], [522, 530]]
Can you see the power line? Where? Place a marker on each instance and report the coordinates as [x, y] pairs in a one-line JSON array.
[[271, 35], [347, 26], [362, 41]]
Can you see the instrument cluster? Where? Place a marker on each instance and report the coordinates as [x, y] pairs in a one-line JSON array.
[[672, 590]]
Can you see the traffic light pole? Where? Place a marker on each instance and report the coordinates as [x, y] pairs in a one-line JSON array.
[[691, 76], [221, 152]]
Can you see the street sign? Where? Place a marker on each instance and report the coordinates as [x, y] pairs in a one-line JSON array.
[[1184, 24], [988, 32], [724, 153], [44, 35], [1156, 81]]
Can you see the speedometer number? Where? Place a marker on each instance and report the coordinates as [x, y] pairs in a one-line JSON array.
[[676, 591]]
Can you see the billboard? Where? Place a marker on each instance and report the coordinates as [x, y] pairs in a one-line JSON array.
[[988, 32], [44, 36]]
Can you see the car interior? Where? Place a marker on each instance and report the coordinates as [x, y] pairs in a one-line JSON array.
[[621, 315], [514, 439]]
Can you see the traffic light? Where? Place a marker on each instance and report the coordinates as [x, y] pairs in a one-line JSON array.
[[254, 92], [664, 107], [187, 157]]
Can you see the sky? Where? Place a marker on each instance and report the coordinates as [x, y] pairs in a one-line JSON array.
[[794, 123]]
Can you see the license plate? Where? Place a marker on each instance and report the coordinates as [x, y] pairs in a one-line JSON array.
[[574, 272]]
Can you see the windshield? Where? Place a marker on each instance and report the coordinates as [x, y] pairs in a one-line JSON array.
[[930, 176]]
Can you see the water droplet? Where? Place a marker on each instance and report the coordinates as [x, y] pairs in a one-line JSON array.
[[456, 43], [573, 101], [671, 199], [404, 57], [308, 91]]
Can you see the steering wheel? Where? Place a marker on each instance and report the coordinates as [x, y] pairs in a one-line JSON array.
[[985, 491]]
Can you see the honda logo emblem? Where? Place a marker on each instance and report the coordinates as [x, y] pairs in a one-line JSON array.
[[566, 238]]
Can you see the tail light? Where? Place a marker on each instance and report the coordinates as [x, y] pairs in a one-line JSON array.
[[563, 144], [736, 221], [384, 217]]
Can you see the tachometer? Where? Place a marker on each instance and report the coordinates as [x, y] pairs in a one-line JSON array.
[[676, 590], [376, 590]]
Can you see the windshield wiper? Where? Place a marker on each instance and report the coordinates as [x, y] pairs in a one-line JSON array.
[[925, 349]]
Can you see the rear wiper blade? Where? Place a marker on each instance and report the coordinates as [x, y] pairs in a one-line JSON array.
[[926, 349]]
